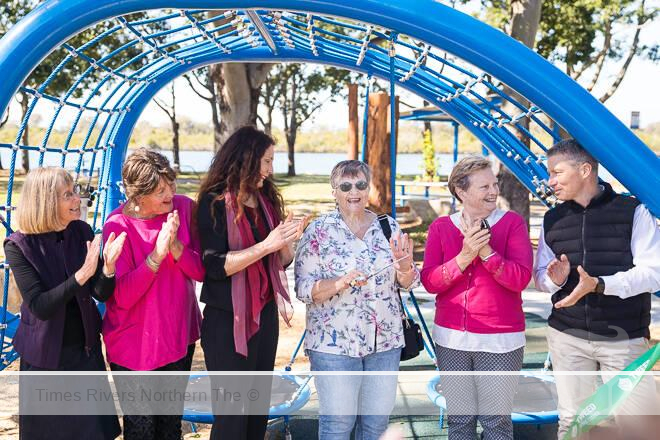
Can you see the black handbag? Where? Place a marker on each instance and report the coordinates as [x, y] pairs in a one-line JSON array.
[[412, 333]]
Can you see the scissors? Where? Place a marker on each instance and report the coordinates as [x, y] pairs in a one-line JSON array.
[[354, 282]]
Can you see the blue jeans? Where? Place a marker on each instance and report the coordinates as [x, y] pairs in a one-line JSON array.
[[343, 400]]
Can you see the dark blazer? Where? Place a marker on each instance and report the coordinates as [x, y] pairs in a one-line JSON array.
[[52, 259], [212, 224]]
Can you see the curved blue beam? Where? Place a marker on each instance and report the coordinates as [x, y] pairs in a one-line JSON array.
[[34, 37], [120, 133]]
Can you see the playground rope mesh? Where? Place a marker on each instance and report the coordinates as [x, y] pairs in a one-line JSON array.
[[151, 44]]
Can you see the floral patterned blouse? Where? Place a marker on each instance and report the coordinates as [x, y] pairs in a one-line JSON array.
[[357, 321]]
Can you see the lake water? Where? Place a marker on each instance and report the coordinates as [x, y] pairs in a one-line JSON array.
[[306, 163], [322, 163], [199, 161], [313, 163]]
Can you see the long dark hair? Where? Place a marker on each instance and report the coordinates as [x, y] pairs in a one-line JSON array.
[[236, 168]]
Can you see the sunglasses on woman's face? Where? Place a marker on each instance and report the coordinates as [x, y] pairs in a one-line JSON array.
[[347, 186]]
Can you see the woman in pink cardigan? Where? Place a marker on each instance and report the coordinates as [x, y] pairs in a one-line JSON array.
[[478, 261], [152, 321]]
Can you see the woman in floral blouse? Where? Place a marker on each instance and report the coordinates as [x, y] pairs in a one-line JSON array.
[[353, 319]]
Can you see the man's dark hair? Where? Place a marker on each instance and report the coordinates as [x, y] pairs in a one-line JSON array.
[[574, 151]]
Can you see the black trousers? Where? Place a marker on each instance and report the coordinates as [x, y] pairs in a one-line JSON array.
[[66, 427], [220, 355], [154, 426]]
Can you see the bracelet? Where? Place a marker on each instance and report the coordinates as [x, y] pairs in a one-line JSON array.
[[152, 264], [484, 259]]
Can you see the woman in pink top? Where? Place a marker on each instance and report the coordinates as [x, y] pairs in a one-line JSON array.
[[152, 321], [478, 261]]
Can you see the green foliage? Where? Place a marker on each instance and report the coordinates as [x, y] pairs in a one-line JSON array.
[[575, 32], [572, 32], [428, 154]]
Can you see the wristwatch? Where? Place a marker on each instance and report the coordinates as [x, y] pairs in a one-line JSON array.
[[600, 287]]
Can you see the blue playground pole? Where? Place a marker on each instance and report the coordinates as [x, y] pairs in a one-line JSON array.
[[365, 122], [455, 124], [392, 129]]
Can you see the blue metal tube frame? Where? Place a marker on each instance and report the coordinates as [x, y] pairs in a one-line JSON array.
[[123, 125], [51, 23], [365, 121], [392, 130]]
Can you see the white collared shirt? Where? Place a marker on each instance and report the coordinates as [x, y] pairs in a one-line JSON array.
[[643, 277]]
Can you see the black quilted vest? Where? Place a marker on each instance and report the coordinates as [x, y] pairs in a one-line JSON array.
[[598, 238]]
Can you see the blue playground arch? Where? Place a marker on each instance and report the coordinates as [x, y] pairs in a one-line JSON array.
[[300, 37], [448, 58]]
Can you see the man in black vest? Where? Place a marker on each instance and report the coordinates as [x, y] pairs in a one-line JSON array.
[[599, 255]]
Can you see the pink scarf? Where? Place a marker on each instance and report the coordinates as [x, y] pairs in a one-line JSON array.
[[248, 285]]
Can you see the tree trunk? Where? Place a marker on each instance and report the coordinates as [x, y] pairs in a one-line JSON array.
[[175, 145], [237, 86], [269, 100], [378, 152], [525, 17], [175, 133], [291, 144], [215, 117], [25, 139], [353, 121], [291, 128]]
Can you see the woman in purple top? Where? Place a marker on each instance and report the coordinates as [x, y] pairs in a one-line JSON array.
[[55, 261], [153, 320]]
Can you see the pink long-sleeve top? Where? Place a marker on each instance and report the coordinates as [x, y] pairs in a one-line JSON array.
[[152, 317], [486, 297]]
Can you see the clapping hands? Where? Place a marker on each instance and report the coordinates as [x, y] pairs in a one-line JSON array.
[[284, 234], [475, 242], [587, 284], [558, 270], [91, 262], [167, 238], [112, 251]]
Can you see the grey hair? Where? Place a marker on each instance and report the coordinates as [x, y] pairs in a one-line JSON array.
[[573, 151], [350, 168], [460, 174]]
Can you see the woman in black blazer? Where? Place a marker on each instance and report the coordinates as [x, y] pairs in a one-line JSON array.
[[55, 261]]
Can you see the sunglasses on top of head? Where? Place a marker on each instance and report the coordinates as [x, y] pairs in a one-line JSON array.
[[347, 186]]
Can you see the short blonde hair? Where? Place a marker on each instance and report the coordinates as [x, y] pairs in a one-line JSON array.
[[142, 172], [39, 207], [460, 174]]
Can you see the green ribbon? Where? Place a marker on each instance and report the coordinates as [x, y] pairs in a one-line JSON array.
[[601, 404]]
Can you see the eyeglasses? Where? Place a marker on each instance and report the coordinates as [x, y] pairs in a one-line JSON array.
[[162, 193], [77, 189], [347, 186]]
